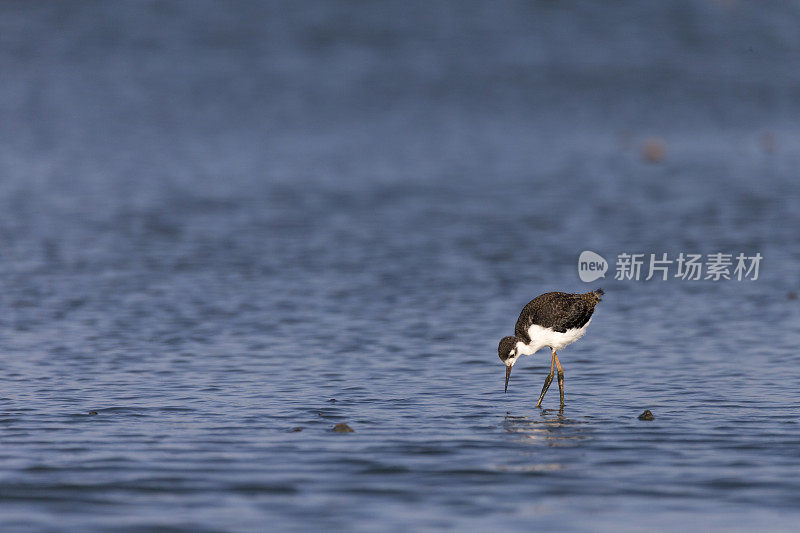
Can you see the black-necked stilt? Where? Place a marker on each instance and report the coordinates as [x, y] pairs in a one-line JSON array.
[[554, 319]]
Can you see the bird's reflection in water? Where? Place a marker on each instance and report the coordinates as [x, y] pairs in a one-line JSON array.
[[553, 432], [548, 427]]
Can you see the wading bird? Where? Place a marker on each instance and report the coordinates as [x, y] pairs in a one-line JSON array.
[[553, 319]]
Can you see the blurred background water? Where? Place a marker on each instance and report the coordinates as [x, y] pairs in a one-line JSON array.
[[215, 217]]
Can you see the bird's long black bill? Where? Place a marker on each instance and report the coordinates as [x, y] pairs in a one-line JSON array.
[[508, 375]]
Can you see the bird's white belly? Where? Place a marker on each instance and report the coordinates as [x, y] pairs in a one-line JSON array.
[[541, 337]]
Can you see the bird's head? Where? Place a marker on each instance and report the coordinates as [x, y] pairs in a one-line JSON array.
[[507, 350]]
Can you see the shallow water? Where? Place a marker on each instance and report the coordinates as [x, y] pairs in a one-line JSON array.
[[215, 221]]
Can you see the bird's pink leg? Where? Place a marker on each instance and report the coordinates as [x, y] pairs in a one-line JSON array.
[[560, 378], [548, 380]]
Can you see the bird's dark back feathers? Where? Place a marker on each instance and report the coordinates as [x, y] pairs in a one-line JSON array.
[[558, 311]]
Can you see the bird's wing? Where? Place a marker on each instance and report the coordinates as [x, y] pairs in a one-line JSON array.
[[555, 310], [578, 314]]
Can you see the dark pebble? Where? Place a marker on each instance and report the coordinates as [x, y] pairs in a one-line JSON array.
[[295, 430], [647, 415], [341, 427], [92, 412]]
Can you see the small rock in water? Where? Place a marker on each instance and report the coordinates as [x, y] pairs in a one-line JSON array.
[[654, 150], [332, 400], [341, 427], [92, 412], [295, 430], [647, 415]]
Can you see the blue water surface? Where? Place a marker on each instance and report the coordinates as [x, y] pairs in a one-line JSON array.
[[216, 218]]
